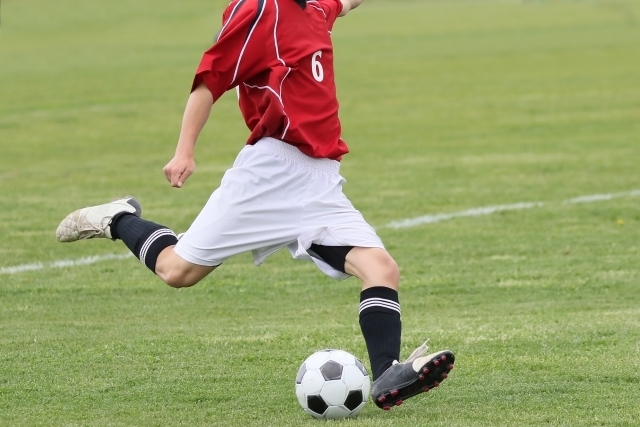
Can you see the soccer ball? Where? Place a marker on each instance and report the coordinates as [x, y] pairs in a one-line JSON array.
[[332, 384]]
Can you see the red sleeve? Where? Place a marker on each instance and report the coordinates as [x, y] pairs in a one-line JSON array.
[[238, 53], [332, 9]]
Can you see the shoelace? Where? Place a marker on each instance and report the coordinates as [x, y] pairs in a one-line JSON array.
[[419, 352]]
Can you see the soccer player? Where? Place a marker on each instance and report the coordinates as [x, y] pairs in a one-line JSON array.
[[284, 189]]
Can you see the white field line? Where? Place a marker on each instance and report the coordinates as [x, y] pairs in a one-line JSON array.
[[63, 263], [488, 210], [404, 223], [600, 197]]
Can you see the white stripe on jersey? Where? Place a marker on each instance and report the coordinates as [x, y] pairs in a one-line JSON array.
[[275, 38], [255, 24], [233, 12], [278, 94], [317, 7], [288, 120], [269, 88]]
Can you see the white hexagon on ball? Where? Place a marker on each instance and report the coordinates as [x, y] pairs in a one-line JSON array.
[[366, 388], [334, 392], [352, 377], [302, 397], [343, 357], [336, 412], [316, 360], [312, 382]]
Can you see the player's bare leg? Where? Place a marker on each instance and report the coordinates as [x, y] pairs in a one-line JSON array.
[[373, 266], [380, 323], [175, 271]]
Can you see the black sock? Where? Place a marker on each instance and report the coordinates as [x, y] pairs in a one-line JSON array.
[[381, 327], [144, 238]]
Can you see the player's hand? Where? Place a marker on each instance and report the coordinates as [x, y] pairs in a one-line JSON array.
[[179, 169]]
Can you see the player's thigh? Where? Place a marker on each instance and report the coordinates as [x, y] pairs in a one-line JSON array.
[[177, 272], [256, 206], [374, 266]]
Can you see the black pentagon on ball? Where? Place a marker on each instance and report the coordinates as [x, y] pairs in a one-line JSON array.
[[316, 404], [362, 368], [331, 370], [301, 372], [354, 399]]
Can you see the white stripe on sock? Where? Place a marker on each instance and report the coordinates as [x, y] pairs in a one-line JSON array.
[[379, 302], [154, 236], [375, 299]]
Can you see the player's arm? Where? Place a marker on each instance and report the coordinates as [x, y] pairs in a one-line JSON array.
[[195, 117], [347, 5]]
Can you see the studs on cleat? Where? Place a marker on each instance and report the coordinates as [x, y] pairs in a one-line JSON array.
[[399, 402], [382, 398], [436, 384], [436, 362], [450, 367], [426, 389], [445, 376], [393, 392], [443, 357], [386, 407], [421, 377], [425, 370]]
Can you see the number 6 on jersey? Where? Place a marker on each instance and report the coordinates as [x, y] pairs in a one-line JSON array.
[[316, 66]]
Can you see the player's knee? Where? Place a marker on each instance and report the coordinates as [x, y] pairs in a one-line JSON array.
[[176, 278], [389, 269], [177, 272], [174, 274], [384, 270], [374, 266]]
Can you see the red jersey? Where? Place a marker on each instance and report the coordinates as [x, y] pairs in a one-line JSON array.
[[280, 58]]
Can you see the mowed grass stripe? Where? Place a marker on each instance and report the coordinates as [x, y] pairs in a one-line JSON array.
[[403, 223]]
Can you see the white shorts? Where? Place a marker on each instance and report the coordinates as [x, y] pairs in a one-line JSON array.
[[276, 196]]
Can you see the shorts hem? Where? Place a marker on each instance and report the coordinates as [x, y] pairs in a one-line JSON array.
[[195, 260]]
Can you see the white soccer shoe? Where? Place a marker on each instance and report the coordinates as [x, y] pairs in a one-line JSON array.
[[93, 222]]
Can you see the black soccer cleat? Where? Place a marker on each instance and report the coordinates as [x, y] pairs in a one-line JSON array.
[[418, 374]]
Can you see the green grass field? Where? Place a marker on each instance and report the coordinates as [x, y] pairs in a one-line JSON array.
[[446, 105]]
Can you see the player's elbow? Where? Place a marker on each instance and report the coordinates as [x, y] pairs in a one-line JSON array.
[[347, 5]]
